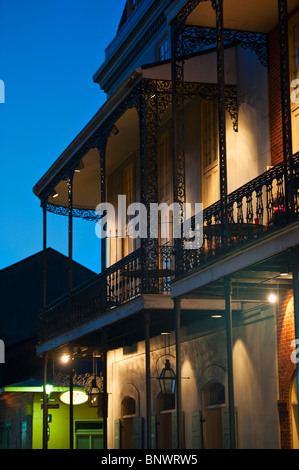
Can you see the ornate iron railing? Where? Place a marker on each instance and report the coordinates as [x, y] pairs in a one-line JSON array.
[[253, 211], [120, 283]]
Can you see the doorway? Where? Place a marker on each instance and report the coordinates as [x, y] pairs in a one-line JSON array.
[[128, 412], [165, 409]]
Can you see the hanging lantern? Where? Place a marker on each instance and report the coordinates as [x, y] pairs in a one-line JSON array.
[[93, 394], [167, 379]]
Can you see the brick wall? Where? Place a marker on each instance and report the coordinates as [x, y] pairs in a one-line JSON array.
[[286, 368]]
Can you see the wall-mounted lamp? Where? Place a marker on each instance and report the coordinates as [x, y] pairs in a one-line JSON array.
[[285, 271], [167, 379], [93, 394], [54, 194]]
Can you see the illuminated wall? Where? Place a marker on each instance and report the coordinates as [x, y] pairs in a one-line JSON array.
[[59, 425], [204, 362]]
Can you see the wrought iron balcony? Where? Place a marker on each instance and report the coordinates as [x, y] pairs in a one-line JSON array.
[[253, 211], [119, 284]]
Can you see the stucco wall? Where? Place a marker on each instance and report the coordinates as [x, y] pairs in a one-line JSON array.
[[248, 151], [203, 360]]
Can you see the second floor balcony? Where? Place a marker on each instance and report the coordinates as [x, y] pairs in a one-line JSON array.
[[179, 131], [254, 212]]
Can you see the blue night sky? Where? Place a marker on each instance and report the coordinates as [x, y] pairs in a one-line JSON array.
[[49, 51]]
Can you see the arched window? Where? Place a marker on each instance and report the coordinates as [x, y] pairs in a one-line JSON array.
[[213, 394], [128, 407]]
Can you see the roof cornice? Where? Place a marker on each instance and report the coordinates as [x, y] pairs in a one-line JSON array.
[[115, 65]]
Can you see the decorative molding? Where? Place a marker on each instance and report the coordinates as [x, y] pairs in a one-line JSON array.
[[129, 58], [85, 214], [79, 380], [193, 39], [151, 99]]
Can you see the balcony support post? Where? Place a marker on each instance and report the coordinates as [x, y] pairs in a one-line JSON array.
[[295, 272], [286, 106], [229, 348], [71, 410], [105, 401], [218, 7], [45, 358], [177, 314], [101, 146], [44, 207], [45, 404], [178, 147], [70, 228], [102, 152], [148, 378], [148, 126]]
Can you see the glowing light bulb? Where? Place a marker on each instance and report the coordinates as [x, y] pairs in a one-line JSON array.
[[272, 298], [65, 358]]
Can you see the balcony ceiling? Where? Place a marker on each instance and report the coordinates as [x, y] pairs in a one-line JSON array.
[[254, 15], [125, 142], [254, 283], [86, 185], [200, 68]]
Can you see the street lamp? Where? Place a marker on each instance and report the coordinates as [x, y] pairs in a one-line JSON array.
[[167, 379], [93, 394]]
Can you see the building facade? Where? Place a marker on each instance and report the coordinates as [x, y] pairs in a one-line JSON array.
[[21, 370], [201, 109]]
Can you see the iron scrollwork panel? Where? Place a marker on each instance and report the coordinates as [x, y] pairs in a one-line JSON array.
[[154, 99], [193, 39]]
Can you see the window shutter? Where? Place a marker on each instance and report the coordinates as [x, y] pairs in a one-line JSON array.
[[117, 428], [137, 433], [196, 430], [225, 428]]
